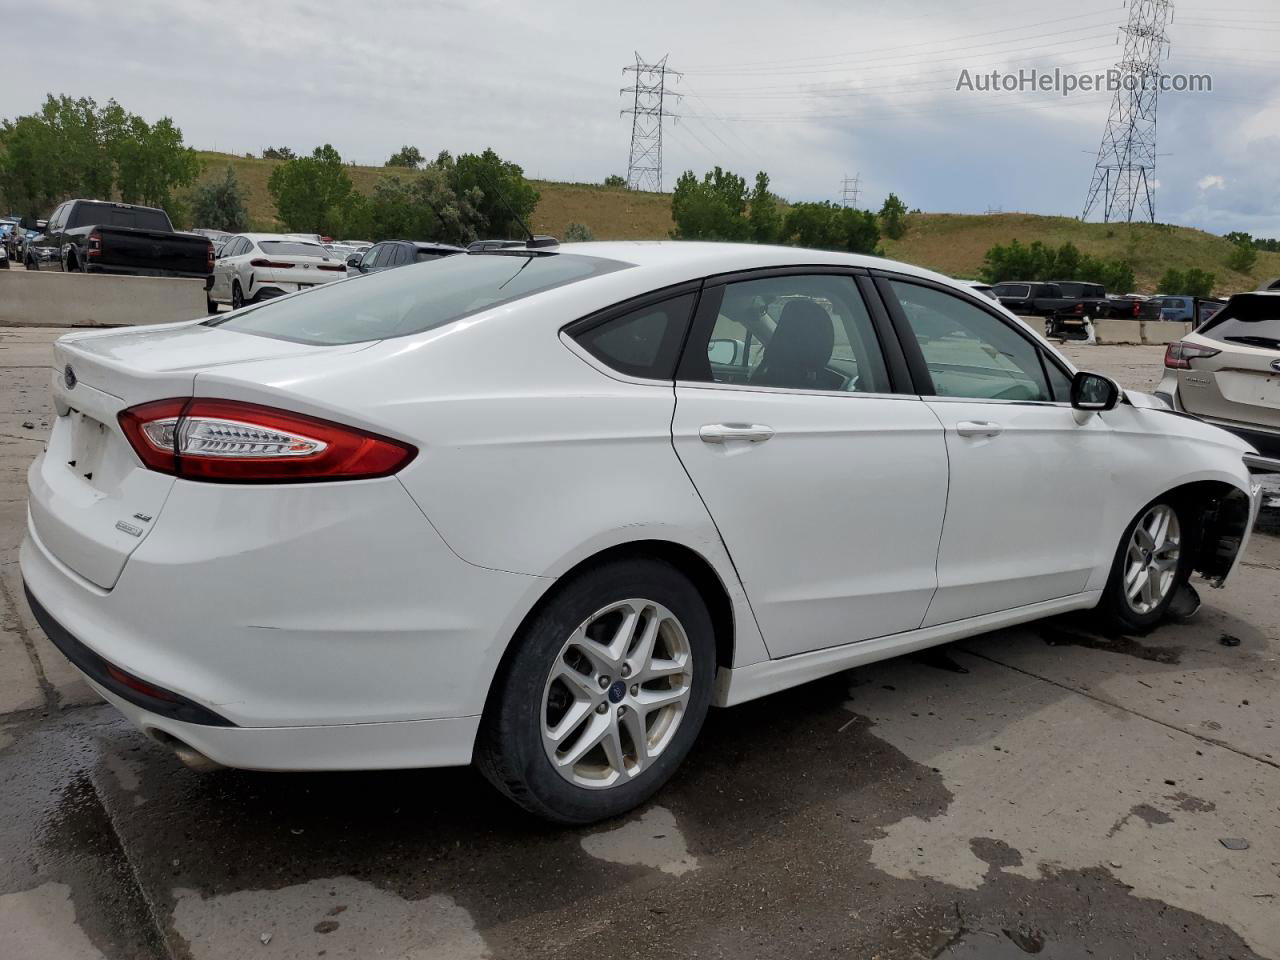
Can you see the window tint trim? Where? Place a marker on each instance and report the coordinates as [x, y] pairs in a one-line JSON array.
[[911, 346], [791, 270]]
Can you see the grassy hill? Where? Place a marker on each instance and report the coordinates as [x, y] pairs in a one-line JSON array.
[[951, 243]]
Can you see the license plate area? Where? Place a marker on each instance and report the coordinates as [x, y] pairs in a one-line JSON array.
[[87, 446]]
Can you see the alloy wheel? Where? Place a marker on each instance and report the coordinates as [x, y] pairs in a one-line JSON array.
[[616, 693], [1151, 559]]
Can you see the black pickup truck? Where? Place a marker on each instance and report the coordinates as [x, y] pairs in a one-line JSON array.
[[1049, 298], [96, 236]]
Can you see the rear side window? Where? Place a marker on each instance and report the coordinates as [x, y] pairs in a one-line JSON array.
[[644, 342], [1011, 290], [420, 297], [1253, 321]]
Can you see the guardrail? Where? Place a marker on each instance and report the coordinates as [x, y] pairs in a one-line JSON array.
[[55, 299]]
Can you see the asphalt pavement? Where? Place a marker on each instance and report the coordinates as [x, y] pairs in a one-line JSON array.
[[1042, 790]]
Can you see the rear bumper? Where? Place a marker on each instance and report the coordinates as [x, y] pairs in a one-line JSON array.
[[132, 271], [351, 746], [317, 626]]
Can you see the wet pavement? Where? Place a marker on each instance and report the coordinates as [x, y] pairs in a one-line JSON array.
[[1045, 790]]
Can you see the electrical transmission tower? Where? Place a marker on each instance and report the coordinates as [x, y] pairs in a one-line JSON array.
[[849, 190], [644, 169], [1124, 175]]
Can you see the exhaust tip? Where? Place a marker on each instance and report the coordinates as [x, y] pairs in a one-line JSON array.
[[190, 757]]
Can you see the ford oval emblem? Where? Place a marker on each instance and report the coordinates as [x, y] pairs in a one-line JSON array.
[[69, 377]]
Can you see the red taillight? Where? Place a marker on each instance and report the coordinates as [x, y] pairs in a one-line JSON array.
[[273, 264], [332, 266], [209, 258], [1137, 308], [95, 244], [1179, 354], [1079, 309], [227, 441]]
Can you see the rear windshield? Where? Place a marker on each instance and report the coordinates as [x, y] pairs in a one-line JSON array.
[[423, 255], [1252, 321], [422, 296], [109, 215], [292, 248]]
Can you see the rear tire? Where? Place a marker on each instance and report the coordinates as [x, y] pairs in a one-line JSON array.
[[1151, 564], [210, 305], [622, 656], [237, 295]]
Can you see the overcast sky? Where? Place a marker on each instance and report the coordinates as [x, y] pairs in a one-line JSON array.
[[809, 90]]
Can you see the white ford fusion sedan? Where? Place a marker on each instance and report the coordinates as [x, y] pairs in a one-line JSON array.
[[540, 508]]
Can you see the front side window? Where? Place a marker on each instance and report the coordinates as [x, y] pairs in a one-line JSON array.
[[399, 303], [644, 342], [969, 352], [376, 252], [801, 332]]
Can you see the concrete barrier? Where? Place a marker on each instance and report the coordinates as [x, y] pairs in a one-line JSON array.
[[1118, 331], [1163, 331], [54, 299]]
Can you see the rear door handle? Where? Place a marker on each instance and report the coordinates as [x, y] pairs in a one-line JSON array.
[[720, 432], [978, 428]]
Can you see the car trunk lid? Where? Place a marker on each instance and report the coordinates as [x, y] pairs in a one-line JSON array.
[[92, 502], [1241, 384]]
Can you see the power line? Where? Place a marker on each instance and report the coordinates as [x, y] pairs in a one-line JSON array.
[[1124, 173], [644, 167]]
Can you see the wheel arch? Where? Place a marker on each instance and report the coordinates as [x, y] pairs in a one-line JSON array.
[[699, 570], [1222, 515]]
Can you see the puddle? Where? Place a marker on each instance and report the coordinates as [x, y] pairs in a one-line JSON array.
[[652, 841], [1058, 635]]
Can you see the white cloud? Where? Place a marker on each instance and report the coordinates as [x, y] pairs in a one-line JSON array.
[[1211, 181]]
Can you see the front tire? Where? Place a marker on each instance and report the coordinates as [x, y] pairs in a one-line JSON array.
[[602, 695], [1151, 564]]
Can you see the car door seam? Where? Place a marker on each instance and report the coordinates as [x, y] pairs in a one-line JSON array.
[[946, 509], [671, 435]]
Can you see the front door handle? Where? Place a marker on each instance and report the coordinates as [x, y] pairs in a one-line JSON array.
[[978, 428], [720, 432]]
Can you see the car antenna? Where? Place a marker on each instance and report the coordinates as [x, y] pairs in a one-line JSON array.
[[531, 241]]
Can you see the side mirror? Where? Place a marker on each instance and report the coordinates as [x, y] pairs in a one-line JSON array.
[[1094, 392], [354, 259], [724, 351]]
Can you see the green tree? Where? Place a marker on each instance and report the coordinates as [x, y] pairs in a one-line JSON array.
[[1243, 256], [1189, 283], [893, 217], [312, 194], [1238, 236], [578, 233], [712, 208], [458, 217], [829, 226], [76, 148], [278, 153], [495, 188], [220, 205], [614, 180], [406, 156], [764, 219]]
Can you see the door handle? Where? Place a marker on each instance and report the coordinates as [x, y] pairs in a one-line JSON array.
[[978, 428], [720, 432]]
